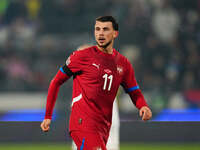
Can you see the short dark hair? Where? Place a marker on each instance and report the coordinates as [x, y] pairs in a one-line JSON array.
[[109, 19]]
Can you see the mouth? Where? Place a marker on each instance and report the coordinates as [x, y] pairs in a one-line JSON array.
[[101, 40]]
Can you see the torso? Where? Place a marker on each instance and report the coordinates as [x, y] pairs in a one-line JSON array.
[[98, 82]]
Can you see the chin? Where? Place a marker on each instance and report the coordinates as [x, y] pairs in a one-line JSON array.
[[102, 45]]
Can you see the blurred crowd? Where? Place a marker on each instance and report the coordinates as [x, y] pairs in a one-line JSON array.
[[160, 37]]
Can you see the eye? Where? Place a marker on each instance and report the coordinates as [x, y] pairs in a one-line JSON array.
[[106, 29], [97, 28]]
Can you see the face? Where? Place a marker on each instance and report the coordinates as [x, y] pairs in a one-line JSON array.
[[104, 33]]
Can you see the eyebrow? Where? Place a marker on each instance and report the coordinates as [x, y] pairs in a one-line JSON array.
[[103, 27]]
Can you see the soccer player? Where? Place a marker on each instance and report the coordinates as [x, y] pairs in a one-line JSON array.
[[97, 72]]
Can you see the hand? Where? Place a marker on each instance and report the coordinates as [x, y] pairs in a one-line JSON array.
[[145, 113], [45, 125]]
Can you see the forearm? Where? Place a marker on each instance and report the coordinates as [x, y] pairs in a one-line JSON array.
[[138, 98], [53, 90]]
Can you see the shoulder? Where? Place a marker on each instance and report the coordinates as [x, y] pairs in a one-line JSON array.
[[79, 55], [81, 52], [124, 63], [122, 58]]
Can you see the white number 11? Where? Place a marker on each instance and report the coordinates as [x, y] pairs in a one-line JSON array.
[[106, 80]]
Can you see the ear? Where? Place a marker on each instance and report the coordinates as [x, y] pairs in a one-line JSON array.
[[116, 33]]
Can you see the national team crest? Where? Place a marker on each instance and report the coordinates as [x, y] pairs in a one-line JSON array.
[[119, 70]]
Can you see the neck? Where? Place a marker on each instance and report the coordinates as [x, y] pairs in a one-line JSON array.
[[105, 50], [108, 49]]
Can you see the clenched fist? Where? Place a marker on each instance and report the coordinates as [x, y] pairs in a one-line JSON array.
[[145, 113], [45, 125]]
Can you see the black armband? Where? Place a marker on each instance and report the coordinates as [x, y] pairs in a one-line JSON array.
[[66, 70]]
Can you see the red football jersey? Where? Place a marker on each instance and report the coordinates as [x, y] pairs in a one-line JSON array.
[[97, 77]]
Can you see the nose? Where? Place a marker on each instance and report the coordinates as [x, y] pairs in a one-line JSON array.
[[101, 32]]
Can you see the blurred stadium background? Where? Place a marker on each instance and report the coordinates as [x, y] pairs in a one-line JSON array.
[[160, 37]]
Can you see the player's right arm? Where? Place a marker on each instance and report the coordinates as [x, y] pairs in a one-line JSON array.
[[72, 66], [62, 75]]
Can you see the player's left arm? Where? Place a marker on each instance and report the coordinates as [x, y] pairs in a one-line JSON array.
[[130, 85], [145, 113], [140, 102]]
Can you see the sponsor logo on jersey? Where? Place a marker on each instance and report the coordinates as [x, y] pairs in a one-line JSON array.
[[96, 65], [107, 71]]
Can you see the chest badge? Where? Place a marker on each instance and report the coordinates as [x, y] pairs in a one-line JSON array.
[[119, 70]]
